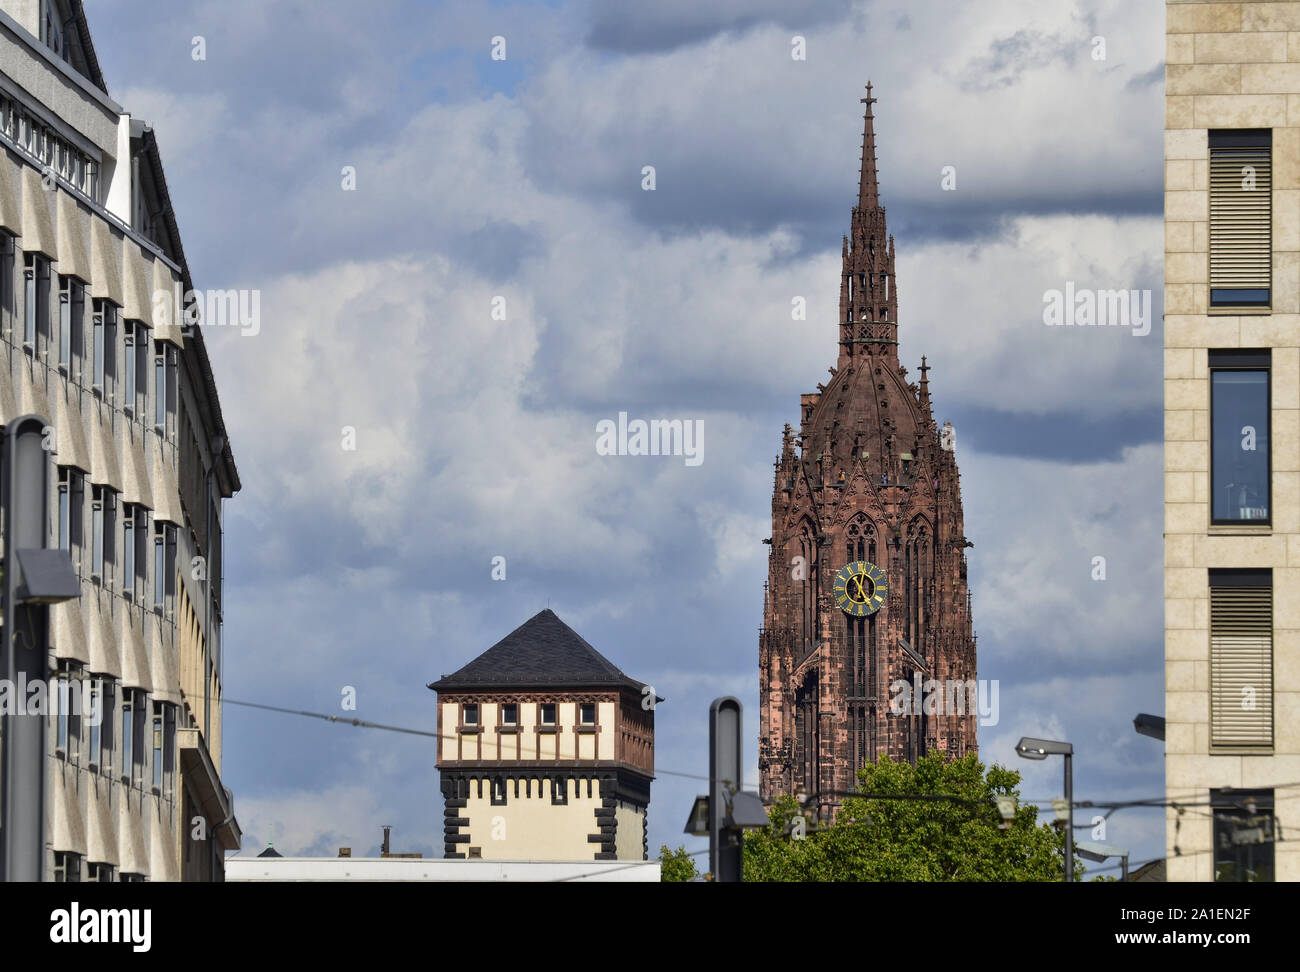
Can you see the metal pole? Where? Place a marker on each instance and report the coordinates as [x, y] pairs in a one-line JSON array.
[[725, 769], [22, 781], [1069, 824], [1123, 867]]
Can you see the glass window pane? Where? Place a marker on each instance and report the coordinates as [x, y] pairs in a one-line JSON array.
[[1240, 409], [159, 393]]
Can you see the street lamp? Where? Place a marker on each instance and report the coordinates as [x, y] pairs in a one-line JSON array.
[[32, 578], [1031, 748], [1150, 725], [1099, 852]]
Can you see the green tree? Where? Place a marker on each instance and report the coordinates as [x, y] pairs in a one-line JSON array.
[[676, 865], [913, 839]]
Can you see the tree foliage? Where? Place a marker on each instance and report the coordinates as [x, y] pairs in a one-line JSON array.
[[676, 865], [913, 840]]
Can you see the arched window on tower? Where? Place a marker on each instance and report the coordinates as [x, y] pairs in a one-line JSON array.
[[808, 586], [916, 570]]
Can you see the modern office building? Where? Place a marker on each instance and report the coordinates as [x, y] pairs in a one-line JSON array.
[[90, 340], [1232, 440], [545, 750]]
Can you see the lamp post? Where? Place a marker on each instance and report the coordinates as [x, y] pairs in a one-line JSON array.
[[1099, 852], [726, 810], [1031, 748], [34, 577]]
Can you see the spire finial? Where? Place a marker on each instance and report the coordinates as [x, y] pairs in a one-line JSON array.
[[868, 189]]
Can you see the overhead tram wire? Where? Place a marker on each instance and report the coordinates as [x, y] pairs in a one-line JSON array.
[[928, 797], [363, 724]]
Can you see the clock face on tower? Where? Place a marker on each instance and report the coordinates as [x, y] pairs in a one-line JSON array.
[[860, 588]]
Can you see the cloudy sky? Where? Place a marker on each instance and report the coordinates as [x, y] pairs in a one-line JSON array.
[[521, 179]]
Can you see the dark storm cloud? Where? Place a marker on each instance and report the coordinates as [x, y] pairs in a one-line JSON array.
[[639, 28], [1065, 437]]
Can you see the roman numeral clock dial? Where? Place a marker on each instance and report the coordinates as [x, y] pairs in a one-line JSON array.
[[860, 588]]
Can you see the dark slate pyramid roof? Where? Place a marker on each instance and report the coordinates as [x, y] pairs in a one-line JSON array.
[[541, 651]]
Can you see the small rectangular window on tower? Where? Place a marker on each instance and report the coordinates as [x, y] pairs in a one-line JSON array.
[[1241, 218]]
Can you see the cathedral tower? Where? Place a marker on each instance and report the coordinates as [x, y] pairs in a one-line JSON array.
[[867, 573]]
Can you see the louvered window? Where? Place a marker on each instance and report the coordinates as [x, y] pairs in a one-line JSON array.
[[1241, 658], [1241, 210]]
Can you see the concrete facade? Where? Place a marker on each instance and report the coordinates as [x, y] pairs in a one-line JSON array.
[[140, 465], [1229, 66]]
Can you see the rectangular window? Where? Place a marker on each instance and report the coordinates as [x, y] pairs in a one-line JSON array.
[[72, 497], [110, 352], [97, 346], [128, 735], [70, 704], [128, 367], [97, 494], [72, 303], [1245, 831], [1239, 446], [159, 572], [1241, 659], [548, 713], [142, 347], [140, 556], [587, 713], [169, 748], [95, 742], [102, 873], [36, 276], [164, 554], [128, 548], [67, 866], [62, 693], [158, 745], [8, 298], [172, 391], [160, 385], [1241, 218], [169, 566], [29, 301], [141, 749], [109, 503], [469, 715], [65, 321], [510, 714], [65, 508], [107, 722]]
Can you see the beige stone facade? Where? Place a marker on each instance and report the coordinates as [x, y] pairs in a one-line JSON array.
[[1229, 66]]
